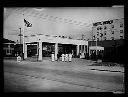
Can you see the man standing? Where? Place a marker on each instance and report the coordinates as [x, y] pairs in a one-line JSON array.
[[70, 57], [52, 57], [66, 57], [63, 57]]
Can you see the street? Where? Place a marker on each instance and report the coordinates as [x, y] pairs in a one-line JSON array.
[[26, 78]]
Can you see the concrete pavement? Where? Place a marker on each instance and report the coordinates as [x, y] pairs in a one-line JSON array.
[[77, 64], [55, 71]]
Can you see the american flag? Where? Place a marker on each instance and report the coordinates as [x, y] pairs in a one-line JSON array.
[[28, 24]]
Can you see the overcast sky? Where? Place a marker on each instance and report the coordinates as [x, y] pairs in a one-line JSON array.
[[68, 21]]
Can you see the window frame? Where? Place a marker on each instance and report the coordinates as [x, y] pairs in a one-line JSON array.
[[121, 25], [121, 37], [121, 31], [112, 26], [112, 38], [105, 27], [112, 32]]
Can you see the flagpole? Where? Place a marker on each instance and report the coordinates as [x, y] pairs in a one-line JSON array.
[[23, 36], [96, 47]]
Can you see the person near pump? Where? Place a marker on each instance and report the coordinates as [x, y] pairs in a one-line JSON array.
[[66, 57], [63, 57], [70, 57], [53, 57]]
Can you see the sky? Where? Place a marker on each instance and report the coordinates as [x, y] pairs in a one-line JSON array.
[[64, 21]]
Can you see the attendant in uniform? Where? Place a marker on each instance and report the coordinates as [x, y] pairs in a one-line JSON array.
[[63, 57], [53, 59], [66, 57], [70, 57]]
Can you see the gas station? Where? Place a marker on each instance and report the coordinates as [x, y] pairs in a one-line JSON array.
[[43, 45]]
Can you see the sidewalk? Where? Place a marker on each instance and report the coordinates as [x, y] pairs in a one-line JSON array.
[[77, 64]]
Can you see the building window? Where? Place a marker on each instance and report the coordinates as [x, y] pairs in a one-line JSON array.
[[112, 26], [121, 37], [97, 33], [104, 32], [121, 25], [8, 51], [112, 38], [100, 28], [121, 31], [112, 32], [97, 28], [105, 27]]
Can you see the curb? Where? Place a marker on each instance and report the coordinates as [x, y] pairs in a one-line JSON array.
[[106, 70]]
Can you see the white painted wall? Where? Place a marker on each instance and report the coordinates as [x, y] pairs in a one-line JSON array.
[[51, 39]]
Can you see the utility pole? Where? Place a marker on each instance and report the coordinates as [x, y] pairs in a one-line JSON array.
[[96, 47], [20, 41], [20, 35]]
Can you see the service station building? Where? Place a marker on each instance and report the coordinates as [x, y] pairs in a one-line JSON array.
[[43, 45]]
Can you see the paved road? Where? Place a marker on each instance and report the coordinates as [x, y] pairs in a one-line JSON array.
[[21, 77]]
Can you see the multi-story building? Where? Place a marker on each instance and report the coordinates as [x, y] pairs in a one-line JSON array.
[[47, 44], [108, 30], [8, 47], [110, 35]]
